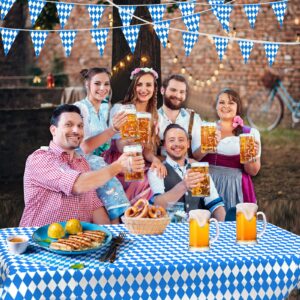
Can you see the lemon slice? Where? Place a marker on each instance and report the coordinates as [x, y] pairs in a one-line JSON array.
[[73, 226]]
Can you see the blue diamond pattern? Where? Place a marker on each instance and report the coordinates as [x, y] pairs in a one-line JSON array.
[[271, 52], [162, 31], [126, 13], [187, 8], [223, 15], [251, 10], [189, 41], [192, 22], [35, 8], [96, 12], [279, 10], [214, 5], [157, 12], [5, 6], [131, 34], [64, 11], [100, 37], [8, 37], [221, 46], [246, 48], [38, 39], [68, 38]]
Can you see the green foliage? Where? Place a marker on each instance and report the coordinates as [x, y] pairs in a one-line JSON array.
[[48, 18]]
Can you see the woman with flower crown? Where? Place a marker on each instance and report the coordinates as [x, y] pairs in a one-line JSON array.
[[142, 92], [232, 179]]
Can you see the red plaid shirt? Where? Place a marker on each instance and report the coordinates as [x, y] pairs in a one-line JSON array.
[[48, 181]]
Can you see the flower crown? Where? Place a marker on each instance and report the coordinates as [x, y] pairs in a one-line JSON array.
[[146, 70]]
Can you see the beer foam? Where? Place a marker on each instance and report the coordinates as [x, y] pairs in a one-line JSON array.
[[210, 124], [199, 164], [200, 215], [137, 148], [143, 115], [129, 108], [247, 209]]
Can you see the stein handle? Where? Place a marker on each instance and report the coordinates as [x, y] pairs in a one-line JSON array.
[[217, 230], [261, 233]]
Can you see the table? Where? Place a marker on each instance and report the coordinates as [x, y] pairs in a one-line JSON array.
[[72, 94], [158, 267]]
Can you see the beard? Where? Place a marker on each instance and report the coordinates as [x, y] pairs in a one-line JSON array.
[[169, 104]]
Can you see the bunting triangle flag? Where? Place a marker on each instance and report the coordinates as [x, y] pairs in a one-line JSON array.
[[246, 48], [279, 10], [126, 13], [187, 8], [38, 39], [131, 34], [68, 38], [8, 37], [192, 22], [162, 31], [271, 52], [96, 12], [64, 11], [221, 46], [100, 37], [251, 11], [35, 8], [157, 12], [214, 5], [223, 15], [189, 41], [5, 6]]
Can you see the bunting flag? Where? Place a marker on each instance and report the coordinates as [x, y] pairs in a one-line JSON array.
[[126, 13], [131, 34], [157, 12], [279, 10], [96, 12], [64, 11], [187, 8], [246, 48], [5, 6], [223, 15], [8, 37], [221, 46], [68, 38], [35, 8], [251, 11], [162, 31], [100, 37], [189, 41], [192, 22], [271, 52], [214, 5], [38, 39]]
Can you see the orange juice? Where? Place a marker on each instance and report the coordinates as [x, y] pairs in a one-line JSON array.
[[245, 229], [199, 236]]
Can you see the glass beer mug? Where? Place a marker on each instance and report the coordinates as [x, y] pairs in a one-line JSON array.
[[203, 187], [199, 221], [247, 150], [136, 150], [208, 137], [144, 121], [246, 214], [130, 128]]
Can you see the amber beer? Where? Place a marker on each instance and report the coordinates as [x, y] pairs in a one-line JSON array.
[[208, 137], [130, 129], [144, 121], [199, 221], [203, 188], [247, 150], [136, 150], [246, 215]]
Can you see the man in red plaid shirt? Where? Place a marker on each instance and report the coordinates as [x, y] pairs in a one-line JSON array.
[[58, 183]]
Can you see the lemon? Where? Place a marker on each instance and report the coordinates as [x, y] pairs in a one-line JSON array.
[[73, 226], [56, 231]]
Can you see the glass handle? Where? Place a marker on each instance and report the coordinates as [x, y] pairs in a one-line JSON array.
[[261, 233], [217, 230]]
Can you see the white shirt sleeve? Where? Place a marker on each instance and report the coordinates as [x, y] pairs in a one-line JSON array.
[[156, 184], [115, 109], [213, 200], [196, 134], [256, 134]]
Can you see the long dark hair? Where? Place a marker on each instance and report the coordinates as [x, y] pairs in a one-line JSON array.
[[234, 96]]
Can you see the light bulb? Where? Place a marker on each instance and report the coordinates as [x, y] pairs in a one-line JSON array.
[[183, 70], [175, 59]]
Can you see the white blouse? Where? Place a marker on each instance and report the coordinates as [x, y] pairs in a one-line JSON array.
[[231, 145]]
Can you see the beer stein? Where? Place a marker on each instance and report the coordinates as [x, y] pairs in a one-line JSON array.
[[208, 137], [247, 150], [199, 222], [144, 120], [203, 188], [246, 214], [135, 150], [130, 129]]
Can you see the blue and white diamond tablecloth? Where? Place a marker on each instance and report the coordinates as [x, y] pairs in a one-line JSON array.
[[158, 267]]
